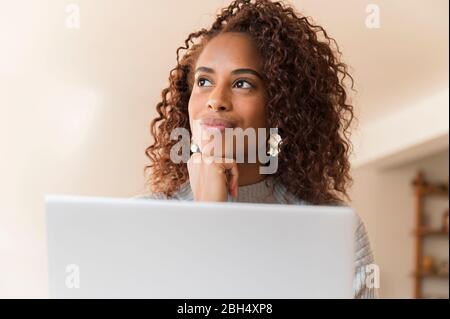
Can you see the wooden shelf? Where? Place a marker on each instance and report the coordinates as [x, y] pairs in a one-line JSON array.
[[430, 275], [421, 232], [423, 190], [436, 190]]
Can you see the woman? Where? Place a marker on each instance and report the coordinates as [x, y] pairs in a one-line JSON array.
[[261, 65]]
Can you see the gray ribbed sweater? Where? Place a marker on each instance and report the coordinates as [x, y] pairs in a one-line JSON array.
[[267, 191]]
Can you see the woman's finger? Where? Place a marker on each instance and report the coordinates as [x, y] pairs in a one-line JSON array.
[[232, 169]]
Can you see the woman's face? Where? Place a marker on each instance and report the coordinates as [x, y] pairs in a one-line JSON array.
[[228, 90]]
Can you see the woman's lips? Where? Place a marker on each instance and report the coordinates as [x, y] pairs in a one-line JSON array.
[[220, 128], [216, 124]]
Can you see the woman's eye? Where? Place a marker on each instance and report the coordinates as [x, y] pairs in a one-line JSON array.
[[203, 82], [243, 84], [240, 84]]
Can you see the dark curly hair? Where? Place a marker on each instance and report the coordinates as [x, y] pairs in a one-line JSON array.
[[307, 101]]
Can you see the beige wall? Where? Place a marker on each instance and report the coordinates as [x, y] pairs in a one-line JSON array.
[[385, 200]]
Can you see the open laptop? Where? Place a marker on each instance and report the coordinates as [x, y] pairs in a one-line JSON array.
[[139, 248]]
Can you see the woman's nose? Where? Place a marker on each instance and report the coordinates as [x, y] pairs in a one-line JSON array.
[[216, 105], [218, 101]]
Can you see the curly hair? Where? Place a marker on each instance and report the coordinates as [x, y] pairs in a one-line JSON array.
[[307, 101]]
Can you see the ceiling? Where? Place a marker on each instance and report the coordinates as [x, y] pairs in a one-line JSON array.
[[403, 61]]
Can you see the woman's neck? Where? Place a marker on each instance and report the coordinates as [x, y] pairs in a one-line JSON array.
[[249, 173]]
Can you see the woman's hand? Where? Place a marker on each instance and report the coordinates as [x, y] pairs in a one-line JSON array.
[[211, 179]]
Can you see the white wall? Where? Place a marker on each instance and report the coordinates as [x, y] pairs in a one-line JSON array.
[[411, 132], [384, 199]]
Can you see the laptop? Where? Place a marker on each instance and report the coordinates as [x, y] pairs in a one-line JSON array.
[[101, 247]]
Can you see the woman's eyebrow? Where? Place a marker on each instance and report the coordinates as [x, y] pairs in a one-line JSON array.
[[234, 72]]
